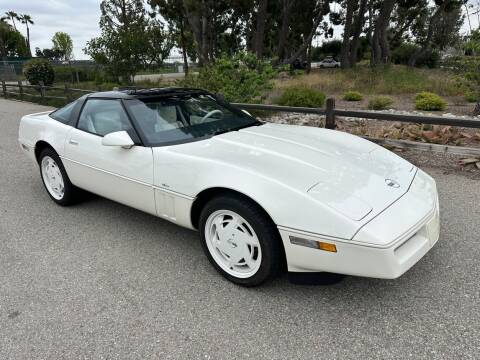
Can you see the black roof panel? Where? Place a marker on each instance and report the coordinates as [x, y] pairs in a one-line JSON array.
[[132, 92]]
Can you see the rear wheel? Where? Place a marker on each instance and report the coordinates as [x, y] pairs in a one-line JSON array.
[[240, 240], [55, 178]]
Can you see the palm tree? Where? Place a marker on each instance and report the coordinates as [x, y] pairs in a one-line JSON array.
[[12, 15], [27, 19]]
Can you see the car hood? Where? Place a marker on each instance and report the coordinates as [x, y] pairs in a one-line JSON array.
[[351, 175]]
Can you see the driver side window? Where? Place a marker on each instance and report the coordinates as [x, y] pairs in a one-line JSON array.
[[102, 117]]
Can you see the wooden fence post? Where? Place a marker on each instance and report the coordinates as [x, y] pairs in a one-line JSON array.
[[67, 94], [42, 90], [4, 88], [330, 114], [20, 89]]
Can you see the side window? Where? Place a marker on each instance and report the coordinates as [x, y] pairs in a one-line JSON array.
[[64, 114], [102, 117]]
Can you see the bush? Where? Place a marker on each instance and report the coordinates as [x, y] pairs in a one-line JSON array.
[[243, 78], [301, 96], [380, 103], [36, 70], [403, 53], [472, 97], [352, 96], [429, 101]]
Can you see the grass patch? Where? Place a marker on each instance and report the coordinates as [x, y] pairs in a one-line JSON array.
[[391, 80], [352, 95], [380, 103], [301, 96]]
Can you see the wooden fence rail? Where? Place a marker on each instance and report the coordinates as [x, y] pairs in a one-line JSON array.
[[330, 112]]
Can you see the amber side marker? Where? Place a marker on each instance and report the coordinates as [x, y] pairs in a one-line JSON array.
[[313, 244]]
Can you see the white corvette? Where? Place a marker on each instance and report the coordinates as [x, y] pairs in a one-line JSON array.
[[261, 195]]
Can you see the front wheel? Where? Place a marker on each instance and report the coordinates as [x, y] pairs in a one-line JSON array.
[[55, 178], [240, 240]]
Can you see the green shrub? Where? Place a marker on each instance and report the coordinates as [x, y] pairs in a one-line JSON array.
[[429, 101], [243, 78], [472, 97], [380, 103], [352, 96], [36, 70], [301, 96]]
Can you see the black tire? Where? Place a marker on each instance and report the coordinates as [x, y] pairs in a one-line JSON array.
[[70, 191], [265, 229]]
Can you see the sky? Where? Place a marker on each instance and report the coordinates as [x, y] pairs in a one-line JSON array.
[[79, 18]]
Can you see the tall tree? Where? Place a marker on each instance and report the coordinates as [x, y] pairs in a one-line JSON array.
[[260, 27], [380, 45], [311, 14], [357, 28], [12, 43], [27, 20], [63, 43], [173, 11], [347, 29], [12, 15], [122, 45], [438, 28], [284, 30]]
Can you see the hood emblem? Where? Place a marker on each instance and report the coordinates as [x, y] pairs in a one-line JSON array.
[[392, 183]]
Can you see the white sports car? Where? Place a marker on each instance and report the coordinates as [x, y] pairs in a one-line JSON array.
[[261, 195]]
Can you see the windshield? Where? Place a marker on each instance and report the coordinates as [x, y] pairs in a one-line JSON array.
[[185, 117]]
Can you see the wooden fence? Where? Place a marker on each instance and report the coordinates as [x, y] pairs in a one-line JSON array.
[[330, 111]]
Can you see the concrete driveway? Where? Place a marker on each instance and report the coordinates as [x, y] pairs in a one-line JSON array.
[[103, 281]]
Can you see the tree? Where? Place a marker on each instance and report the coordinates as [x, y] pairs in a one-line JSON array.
[[62, 42], [128, 39], [438, 28], [309, 16], [12, 43], [160, 43], [260, 28], [380, 44], [27, 20], [285, 27], [50, 54], [12, 15], [173, 12]]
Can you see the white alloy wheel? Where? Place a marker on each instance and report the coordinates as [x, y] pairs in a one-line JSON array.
[[233, 244], [52, 177]]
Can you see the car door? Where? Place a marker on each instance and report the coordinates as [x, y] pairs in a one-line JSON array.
[[120, 174]]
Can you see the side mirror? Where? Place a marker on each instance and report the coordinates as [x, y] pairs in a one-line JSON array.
[[118, 138]]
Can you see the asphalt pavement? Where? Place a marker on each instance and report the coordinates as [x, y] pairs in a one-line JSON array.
[[102, 281]]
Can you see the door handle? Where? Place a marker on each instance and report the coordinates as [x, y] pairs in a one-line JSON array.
[[73, 142]]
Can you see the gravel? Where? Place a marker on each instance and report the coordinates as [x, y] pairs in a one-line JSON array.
[[100, 280]]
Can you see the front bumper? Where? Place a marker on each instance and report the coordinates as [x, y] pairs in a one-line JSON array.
[[384, 248]]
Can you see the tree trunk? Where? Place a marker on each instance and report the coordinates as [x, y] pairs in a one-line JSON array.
[[380, 46], [28, 41], [344, 58], [195, 21], [357, 30], [260, 28], [284, 30], [184, 47]]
